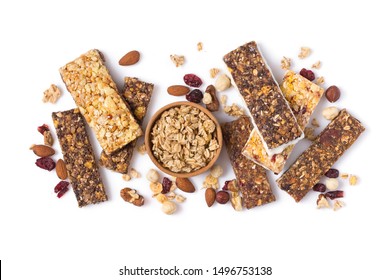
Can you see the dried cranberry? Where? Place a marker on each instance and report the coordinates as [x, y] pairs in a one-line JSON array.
[[195, 96], [334, 194], [319, 187], [308, 74], [332, 173], [43, 128], [62, 192], [46, 163], [192, 80], [166, 184], [60, 186]]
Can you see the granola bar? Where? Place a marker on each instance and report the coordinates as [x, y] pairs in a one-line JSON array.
[[328, 147], [79, 157], [269, 110], [97, 97], [252, 178], [303, 97], [137, 94]]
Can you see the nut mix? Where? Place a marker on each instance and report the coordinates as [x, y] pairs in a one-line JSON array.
[[332, 94]]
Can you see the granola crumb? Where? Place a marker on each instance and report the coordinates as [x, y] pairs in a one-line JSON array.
[[353, 180], [316, 65], [315, 123], [309, 133], [142, 149], [178, 60], [320, 80], [134, 173], [200, 46], [285, 63], [305, 52], [214, 72], [344, 175], [224, 100], [337, 205], [210, 182], [322, 202], [52, 94], [179, 198], [234, 110], [126, 177], [48, 138]]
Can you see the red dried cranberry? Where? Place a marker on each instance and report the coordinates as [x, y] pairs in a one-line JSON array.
[[62, 192], [195, 96], [319, 187], [192, 80], [308, 74], [60, 186], [46, 163], [334, 194], [166, 184], [43, 128], [332, 173]]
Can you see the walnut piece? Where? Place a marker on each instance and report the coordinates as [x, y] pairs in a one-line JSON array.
[[305, 52], [51, 94], [285, 63], [178, 60], [131, 196]]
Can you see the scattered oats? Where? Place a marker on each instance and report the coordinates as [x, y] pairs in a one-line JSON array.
[[126, 177], [179, 198], [134, 173], [207, 98], [214, 72], [320, 80], [234, 110], [353, 180], [200, 46], [305, 52], [315, 123], [178, 60], [210, 182], [309, 133], [216, 171], [222, 83], [142, 149], [332, 184], [223, 100], [152, 176], [48, 138], [338, 204], [316, 65], [51, 94], [344, 175], [285, 63], [322, 202], [330, 113]]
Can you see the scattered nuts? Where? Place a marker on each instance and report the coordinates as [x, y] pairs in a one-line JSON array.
[[337, 205], [222, 197], [42, 150], [168, 207], [207, 98], [305, 52], [322, 202], [236, 201], [332, 93], [161, 197], [199, 46], [213, 106], [178, 60], [131, 196], [316, 65], [48, 138], [285, 63], [332, 184], [156, 187], [214, 72], [211, 182], [353, 180], [130, 58], [153, 176], [61, 170], [179, 198], [216, 171], [185, 185], [52, 94], [178, 90], [222, 83], [330, 113], [234, 110], [210, 196]]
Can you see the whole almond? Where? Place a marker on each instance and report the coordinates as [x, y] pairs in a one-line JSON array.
[[130, 58], [61, 171], [43, 150], [185, 185], [210, 196], [178, 90]]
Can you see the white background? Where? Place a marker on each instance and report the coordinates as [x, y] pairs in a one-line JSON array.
[[42, 237]]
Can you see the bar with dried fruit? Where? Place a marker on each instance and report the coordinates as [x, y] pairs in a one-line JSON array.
[[137, 94], [80, 161], [328, 147], [303, 97], [270, 111], [95, 93], [251, 177]]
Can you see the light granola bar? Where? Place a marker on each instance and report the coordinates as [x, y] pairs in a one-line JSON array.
[[328, 147], [97, 97], [269, 110], [303, 97], [137, 94], [79, 157], [252, 178]]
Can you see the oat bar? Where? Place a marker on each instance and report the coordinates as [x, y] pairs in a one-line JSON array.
[[327, 148], [137, 94], [97, 97], [252, 178], [79, 157], [269, 110], [303, 97]]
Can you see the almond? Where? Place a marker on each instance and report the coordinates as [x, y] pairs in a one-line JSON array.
[[130, 58], [185, 185], [178, 90], [210, 196], [61, 171], [43, 150]]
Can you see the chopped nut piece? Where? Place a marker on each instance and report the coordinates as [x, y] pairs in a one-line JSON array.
[[214, 72], [330, 113], [48, 138], [179, 198], [131, 195], [231, 185], [344, 175], [332, 184], [200, 46], [285, 63], [353, 180], [236, 201], [211, 182], [171, 195], [134, 173], [305, 52], [224, 99], [315, 123], [142, 149], [322, 202], [316, 65], [126, 177], [161, 197], [216, 171], [152, 176], [223, 82], [51, 94], [214, 104], [309, 133], [207, 98], [168, 207], [178, 60], [338, 204], [156, 187], [320, 80], [234, 110]]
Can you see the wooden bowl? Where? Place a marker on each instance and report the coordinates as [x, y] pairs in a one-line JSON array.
[[148, 140]]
